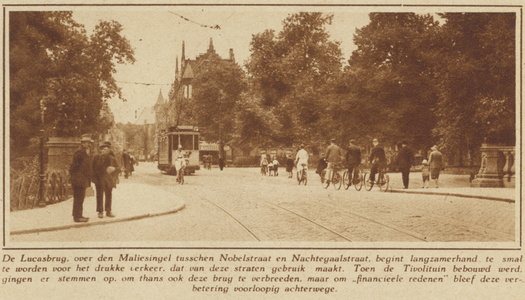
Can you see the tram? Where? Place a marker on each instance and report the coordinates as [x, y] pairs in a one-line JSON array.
[[169, 141]]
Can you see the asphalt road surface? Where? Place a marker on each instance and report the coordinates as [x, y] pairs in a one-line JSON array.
[[240, 205]]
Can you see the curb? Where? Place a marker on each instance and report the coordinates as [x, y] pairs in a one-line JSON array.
[[105, 221], [455, 195]]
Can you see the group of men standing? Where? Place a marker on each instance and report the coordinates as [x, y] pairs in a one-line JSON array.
[[102, 170]]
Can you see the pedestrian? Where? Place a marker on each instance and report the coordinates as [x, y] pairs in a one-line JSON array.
[[435, 162], [221, 163], [209, 160], [80, 176], [321, 165], [425, 172], [289, 166], [275, 166], [263, 164], [126, 162], [404, 161], [377, 158], [105, 176], [333, 157], [270, 167], [353, 160]]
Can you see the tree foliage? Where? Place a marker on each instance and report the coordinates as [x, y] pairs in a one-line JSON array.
[[290, 72], [56, 67], [218, 86], [476, 79]]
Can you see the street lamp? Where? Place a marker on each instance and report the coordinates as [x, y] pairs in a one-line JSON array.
[[41, 198]]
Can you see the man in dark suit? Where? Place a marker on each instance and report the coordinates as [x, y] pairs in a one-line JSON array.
[[105, 176], [80, 176], [353, 159], [404, 161], [377, 158]]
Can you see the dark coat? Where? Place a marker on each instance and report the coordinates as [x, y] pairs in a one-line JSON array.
[[321, 165], [100, 174], [353, 156], [289, 165], [404, 158], [80, 169], [378, 154]]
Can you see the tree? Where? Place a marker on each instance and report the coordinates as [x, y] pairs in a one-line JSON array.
[[389, 79], [56, 68], [290, 71], [218, 85], [476, 79]]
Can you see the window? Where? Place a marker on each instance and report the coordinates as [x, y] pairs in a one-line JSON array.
[[186, 141]]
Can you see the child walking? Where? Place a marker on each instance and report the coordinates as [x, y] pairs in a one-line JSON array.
[[425, 171]]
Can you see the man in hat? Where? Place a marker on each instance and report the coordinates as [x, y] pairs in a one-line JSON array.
[[377, 158], [435, 162], [105, 177], [404, 160], [80, 176], [353, 159]]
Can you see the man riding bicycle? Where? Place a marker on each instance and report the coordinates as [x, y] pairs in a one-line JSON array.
[[378, 160], [180, 161], [301, 160], [353, 160], [333, 157]]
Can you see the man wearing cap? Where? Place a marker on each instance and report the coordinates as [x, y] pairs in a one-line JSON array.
[[80, 176], [105, 177], [435, 162], [333, 156], [404, 160], [353, 159], [377, 158]]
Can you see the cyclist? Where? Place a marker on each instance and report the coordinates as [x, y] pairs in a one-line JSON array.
[[378, 160], [301, 160], [333, 157], [180, 162], [353, 159]]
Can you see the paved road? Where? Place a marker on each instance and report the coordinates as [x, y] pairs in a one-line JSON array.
[[241, 205]]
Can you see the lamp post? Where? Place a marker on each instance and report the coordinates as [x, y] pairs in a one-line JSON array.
[[41, 198]]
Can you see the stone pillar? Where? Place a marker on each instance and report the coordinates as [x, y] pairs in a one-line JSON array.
[[509, 179], [491, 172]]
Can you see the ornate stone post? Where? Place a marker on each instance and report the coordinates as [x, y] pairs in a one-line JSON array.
[[509, 179], [491, 171]]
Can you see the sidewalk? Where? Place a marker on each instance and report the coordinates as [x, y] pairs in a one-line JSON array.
[[451, 185], [129, 202]]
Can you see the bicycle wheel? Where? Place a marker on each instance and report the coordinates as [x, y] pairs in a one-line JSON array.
[[346, 180], [368, 184], [325, 183], [337, 180], [358, 180], [385, 180]]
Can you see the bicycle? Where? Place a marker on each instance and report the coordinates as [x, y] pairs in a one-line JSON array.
[[357, 179], [263, 170], [383, 180], [336, 179], [302, 174]]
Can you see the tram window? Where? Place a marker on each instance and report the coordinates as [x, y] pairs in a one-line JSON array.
[[195, 142], [175, 139], [186, 141]]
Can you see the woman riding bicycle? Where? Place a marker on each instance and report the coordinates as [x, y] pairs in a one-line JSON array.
[[378, 160]]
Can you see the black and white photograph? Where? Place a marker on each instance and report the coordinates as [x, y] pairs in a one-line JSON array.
[[376, 134]]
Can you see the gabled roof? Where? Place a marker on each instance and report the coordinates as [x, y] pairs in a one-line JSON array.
[[188, 72]]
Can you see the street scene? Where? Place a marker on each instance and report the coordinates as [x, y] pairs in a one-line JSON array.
[[213, 124], [240, 205]]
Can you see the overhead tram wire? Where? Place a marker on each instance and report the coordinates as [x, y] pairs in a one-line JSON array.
[[144, 83]]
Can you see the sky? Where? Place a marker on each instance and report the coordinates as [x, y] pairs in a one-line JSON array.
[[156, 34]]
